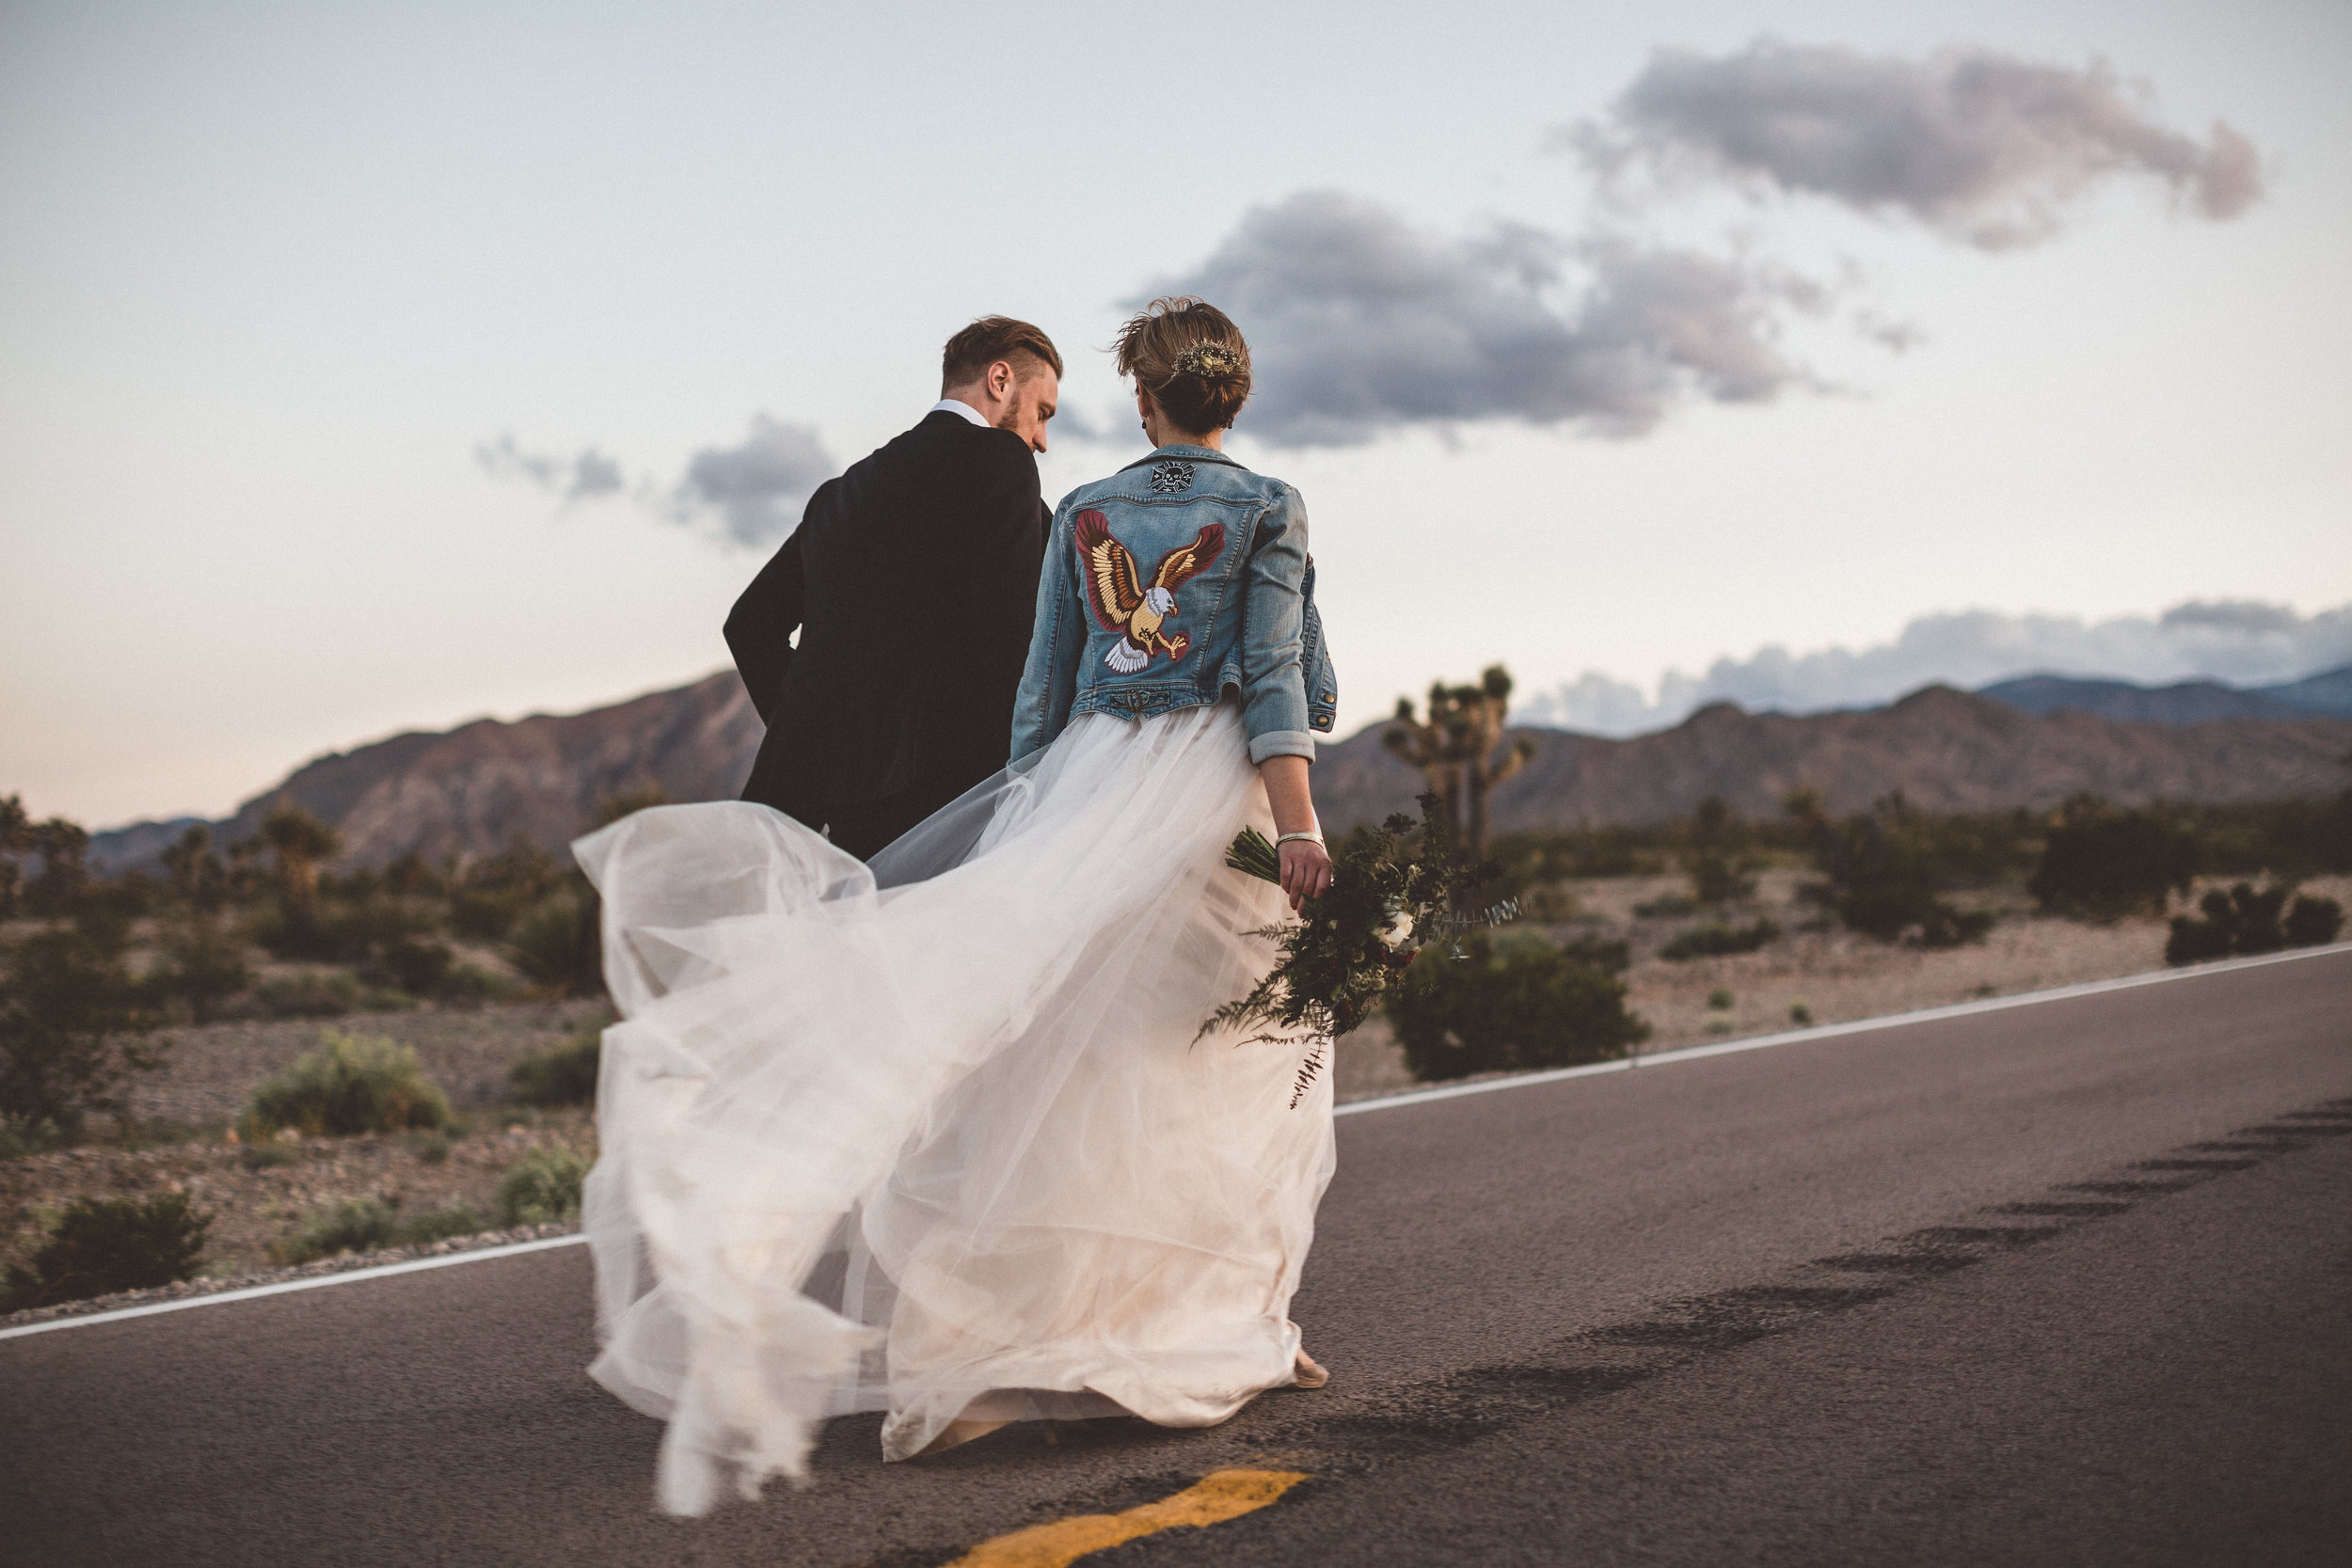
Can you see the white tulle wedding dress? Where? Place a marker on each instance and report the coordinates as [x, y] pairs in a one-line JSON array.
[[936, 1137]]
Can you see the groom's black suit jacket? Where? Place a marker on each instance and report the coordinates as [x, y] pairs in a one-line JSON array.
[[912, 581]]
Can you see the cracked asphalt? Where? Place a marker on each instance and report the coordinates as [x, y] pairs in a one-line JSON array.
[[2069, 1283]]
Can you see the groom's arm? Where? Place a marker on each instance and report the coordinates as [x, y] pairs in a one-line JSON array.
[[759, 628]]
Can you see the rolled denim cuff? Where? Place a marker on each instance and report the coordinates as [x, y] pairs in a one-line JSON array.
[[1282, 743]]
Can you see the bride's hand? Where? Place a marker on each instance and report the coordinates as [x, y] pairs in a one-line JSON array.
[[1306, 871]]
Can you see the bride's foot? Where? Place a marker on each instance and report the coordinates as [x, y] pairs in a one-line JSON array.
[[1310, 1373]]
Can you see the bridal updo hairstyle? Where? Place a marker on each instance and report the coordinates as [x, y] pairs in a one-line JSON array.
[[1190, 356]]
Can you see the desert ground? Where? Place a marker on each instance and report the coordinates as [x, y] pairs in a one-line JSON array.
[[179, 1135]]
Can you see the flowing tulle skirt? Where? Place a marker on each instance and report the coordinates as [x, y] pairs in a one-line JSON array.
[[937, 1138]]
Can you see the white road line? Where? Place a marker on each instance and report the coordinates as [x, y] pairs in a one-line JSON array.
[[1415, 1097], [1829, 1031], [281, 1287]]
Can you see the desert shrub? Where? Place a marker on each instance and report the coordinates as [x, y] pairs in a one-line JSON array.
[[468, 985], [1707, 941], [561, 1075], [22, 1136], [491, 895], [70, 1023], [354, 1224], [2246, 921], [2313, 922], [203, 965], [350, 1083], [1610, 957], [1721, 999], [1547, 903], [1511, 1003], [371, 1224], [2105, 863], [100, 1245], [1800, 1014], [558, 945], [267, 1156], [416, 964], [1666, 906], [311, 994], [541, 1187], [1888, 869], [439, 1225], [1717, 862]]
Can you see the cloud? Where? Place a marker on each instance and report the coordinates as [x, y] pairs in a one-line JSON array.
[[583, 477], [2234, 641], [757, 486], [1361, 322], [1980, 146]]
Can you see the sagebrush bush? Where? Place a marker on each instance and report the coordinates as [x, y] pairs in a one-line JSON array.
[[2246, 920], [350, 1083], [2105, 863], [557, 944], [371, 1224], [542, 1186], [1509, 1004], [1714, 940], [311, 994], [22, 1136], [100, 1245], [561, 1075], [1889, 867]]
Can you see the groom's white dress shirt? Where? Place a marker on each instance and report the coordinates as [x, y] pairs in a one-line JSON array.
[[953, 406]]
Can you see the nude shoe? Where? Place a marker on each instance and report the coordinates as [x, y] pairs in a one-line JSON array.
[[1310, 1373]]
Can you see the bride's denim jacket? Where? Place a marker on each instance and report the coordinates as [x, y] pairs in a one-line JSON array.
[[1177, 578]]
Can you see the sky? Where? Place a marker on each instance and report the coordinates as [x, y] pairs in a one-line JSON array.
[[374, 368]]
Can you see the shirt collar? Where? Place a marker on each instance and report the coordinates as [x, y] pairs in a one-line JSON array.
[[954, 405]]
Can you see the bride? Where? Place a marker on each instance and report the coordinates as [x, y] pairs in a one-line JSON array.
[[936, 1137]]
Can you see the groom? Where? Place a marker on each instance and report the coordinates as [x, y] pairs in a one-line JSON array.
[[912, 582]]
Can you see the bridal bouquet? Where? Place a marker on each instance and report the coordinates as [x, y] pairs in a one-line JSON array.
[[1391, 890]]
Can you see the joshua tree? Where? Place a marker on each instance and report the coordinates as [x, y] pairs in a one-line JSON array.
[[1462, 747], [194, 869], [299, 841]]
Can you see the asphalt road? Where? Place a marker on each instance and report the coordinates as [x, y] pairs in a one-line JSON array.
[[2069, 1283]]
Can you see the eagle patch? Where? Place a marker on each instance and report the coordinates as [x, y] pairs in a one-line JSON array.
[[1122, 602]]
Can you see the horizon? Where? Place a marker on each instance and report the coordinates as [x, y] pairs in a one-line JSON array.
[[352, 747]]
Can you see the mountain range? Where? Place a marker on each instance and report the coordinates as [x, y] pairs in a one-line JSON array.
[[2328, 694], [2027, 742]]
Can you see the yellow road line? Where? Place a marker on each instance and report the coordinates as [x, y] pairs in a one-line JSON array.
[[1219, 1495]]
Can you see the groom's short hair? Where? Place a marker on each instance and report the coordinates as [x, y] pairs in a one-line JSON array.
[[970, 352]]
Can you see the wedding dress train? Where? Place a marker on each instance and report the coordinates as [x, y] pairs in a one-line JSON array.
[[936, 1137]]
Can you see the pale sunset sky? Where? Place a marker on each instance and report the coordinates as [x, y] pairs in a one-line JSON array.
[[366, 368]]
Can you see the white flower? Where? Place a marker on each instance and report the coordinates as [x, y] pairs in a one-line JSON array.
[[1399, 930]]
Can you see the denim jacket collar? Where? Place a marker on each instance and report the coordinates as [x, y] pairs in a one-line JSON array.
[[1188, 455]]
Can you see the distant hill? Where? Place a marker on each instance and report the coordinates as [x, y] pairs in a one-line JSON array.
[[2189, 703], [469, 791], [1945, 750]]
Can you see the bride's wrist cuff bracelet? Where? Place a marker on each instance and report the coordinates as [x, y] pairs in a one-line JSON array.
[[1311, 838]]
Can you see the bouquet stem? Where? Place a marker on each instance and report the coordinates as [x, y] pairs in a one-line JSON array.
[[1252, 853]]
